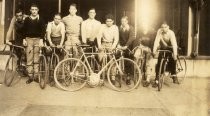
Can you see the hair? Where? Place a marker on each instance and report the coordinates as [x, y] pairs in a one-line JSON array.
[[164, 23], [58, 14], [92, 9], [109, 16], [73, 4], [18, 11], [125, 17], [34, 5]]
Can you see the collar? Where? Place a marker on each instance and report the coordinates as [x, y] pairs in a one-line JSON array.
[[127, 27], [71, 15], [37, 17]]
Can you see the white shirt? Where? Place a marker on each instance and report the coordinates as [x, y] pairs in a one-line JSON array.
[[90, 29], [108, 34], [72, 24], [168, 38], [55, 30]]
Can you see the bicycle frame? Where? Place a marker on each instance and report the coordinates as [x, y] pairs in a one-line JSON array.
[[113, 59]]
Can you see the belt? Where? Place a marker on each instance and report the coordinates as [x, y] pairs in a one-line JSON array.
[[106, 42]]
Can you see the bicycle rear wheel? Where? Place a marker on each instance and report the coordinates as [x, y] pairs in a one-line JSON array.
[[124, 70], [43, 71], [181, 68], [10, 70], [161, 74], [71, 74]]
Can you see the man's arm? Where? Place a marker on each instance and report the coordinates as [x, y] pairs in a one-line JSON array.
[[173, 43], [97, 29], [63, 31], [157, 41], [48, 32], [131, 36], [99, 36], [10, 30], [116, 37], [83, 33]]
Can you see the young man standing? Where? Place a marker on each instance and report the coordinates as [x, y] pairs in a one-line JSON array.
[[108, 36], [56, 31], [90, 29], [126, 37], [108, 39], [16, 27], [34, 30], [73, 23], [166, 40]]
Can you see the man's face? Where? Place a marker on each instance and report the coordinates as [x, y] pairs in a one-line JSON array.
[[57, 19], [19, 16], [109, 22], [124, 22], [164, 28], [72, 10], [92, 14], [34, 11]]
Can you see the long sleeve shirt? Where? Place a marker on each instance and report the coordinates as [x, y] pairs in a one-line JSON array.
[[34, 27], [90, 29], [108, 34], [72, 24], [126, 36], [165, 40]]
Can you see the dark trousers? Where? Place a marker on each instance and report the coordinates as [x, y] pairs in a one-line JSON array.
[[56, 41], [92, 44], [171, 66]]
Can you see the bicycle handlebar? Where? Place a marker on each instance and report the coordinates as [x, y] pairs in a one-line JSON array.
[[17, 46]]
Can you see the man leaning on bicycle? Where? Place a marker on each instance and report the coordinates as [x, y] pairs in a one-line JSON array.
[[166, 40]]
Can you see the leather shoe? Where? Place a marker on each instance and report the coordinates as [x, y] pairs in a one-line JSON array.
[[29, 81], [36, 80], [175, 80]]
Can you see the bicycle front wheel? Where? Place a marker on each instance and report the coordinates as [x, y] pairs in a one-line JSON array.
[[53, 63], [124, 75], [161, 74], [181, 69], [10, 70], [43, 71], [71, 74]]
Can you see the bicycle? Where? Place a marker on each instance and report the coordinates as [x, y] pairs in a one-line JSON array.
[[181, 68], [54, 60], [11, 69], [72, 74], [142, 54]]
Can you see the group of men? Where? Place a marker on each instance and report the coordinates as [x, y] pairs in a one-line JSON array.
[[71, 30]]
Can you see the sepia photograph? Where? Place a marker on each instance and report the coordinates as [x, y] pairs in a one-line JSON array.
[[104, 57]]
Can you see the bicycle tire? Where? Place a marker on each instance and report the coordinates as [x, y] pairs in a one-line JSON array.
[[70, 78], [43, 71], [53, 63], [121, 78], [181, 68], [161, 74], [10, 70]]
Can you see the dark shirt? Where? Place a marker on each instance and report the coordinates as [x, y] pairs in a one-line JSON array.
[[127, 36], [18, 28], [34, 28]]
